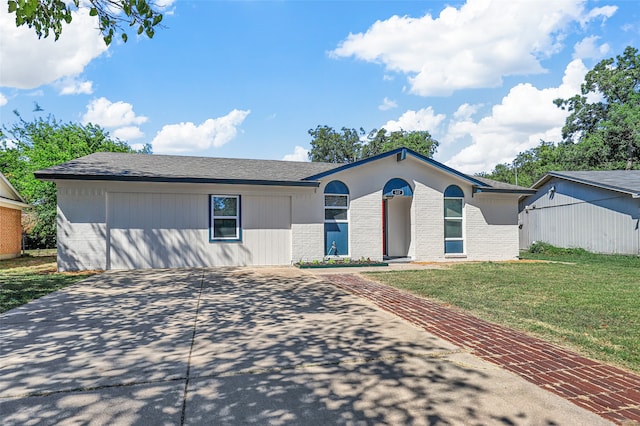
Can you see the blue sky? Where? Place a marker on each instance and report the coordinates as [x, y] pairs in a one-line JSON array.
[[250, 78]]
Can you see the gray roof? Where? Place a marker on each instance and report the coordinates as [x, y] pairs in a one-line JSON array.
[[116, 166], [176, 168], [625, 181], [501, 185]]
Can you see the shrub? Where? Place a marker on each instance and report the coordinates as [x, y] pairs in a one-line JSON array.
[[540, 247]]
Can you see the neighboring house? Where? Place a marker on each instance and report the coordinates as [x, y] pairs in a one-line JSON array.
[[129, 211], [595, 210], [11, 206]]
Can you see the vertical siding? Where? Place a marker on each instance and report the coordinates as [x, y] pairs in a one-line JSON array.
[[576, 215], [81, 228], [267, 229], [159, 230]]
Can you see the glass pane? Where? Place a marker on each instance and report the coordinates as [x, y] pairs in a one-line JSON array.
[[336, 233], [452, 208], [225, 206], [453, 229], [335, 214], [453, 247], [335, 201], [224, 228]]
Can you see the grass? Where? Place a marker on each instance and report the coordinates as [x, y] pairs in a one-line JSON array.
[[583, 301], [30, 277]]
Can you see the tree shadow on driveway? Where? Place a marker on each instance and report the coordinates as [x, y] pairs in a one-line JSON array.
[[236, 346]]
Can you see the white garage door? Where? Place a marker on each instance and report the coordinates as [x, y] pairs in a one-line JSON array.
[[172, 230]]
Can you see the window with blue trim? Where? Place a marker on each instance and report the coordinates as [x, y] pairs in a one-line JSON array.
[[453, 220], [336, 219], [225, 218]]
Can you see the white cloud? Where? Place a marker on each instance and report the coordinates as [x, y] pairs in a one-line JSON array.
[[3, 100], [74, 86], [523, 118], [604, 12], [470, 47], [587, 49], [137, 146], [423, 119], [105, 113], [128, 133], [184, 137], [387, 104], [35, 62], [299, 154], [466, 111]]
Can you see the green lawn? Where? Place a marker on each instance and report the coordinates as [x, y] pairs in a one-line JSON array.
[[586, 302], [27, 278]]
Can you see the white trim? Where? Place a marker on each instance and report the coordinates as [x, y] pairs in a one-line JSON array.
[[18, 198], [12, 204], [236, 217], [460, 218]]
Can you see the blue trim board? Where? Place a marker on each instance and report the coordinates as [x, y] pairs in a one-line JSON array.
[[397, 183], [336, 187], [397, 151]]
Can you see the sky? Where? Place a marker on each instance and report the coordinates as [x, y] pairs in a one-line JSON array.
[[249, 79]]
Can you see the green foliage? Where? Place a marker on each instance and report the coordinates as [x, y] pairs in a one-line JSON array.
[[600, 134], [29, 146], [331, 146], [540, 247], [607, 129], [46, 16], [349, 145], [28, 278]]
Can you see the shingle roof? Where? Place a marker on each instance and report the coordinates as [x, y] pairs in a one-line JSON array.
[[175, 168], [499, 185], [626, 181]]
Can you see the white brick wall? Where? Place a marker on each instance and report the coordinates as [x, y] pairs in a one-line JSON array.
[[492, 227], [365, 227]]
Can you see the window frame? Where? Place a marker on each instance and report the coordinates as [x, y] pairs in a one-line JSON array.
[[213, 217], [345, 208], [457, 219], [334, 188]]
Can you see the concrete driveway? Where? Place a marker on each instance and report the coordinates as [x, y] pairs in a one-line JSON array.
[[244, 346]]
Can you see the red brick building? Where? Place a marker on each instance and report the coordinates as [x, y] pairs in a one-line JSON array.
[[11, 206]]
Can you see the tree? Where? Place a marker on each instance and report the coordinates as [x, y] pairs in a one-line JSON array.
[[381, 141], [607, 130], [46, 16], [330, 146], [351, 145], [29, 146], [529, 166], [602, 131]]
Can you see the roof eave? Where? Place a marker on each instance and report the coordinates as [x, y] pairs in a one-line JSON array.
[[403, 152], [477, 190], [549, 175], [166, 179], [12, 189], [14, 203]]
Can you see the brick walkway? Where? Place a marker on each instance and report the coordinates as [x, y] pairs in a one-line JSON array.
[[608, 391]]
